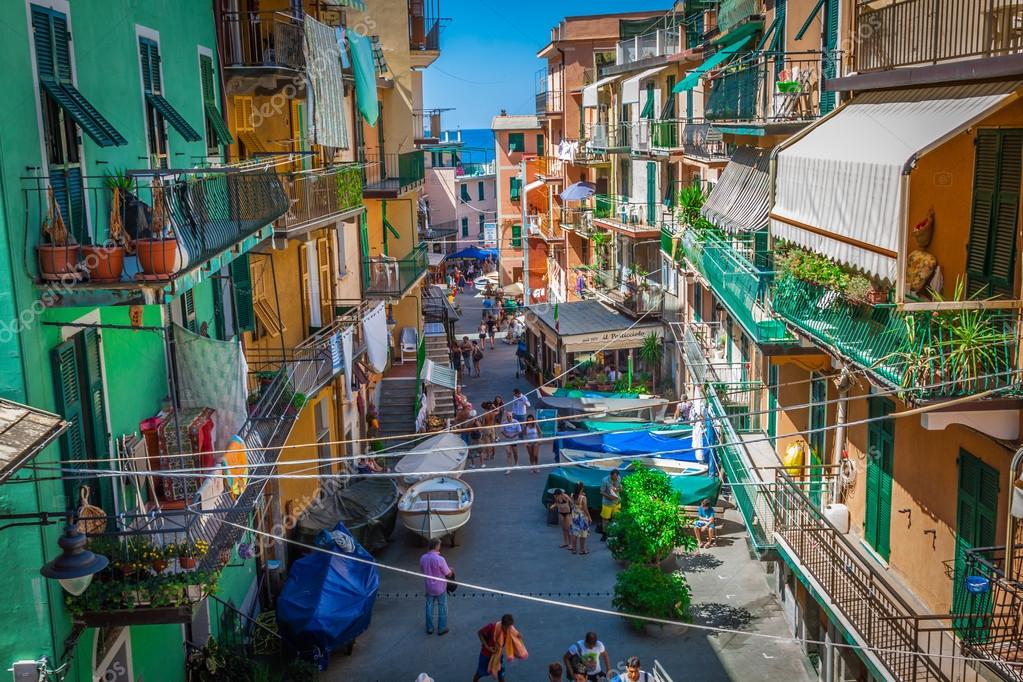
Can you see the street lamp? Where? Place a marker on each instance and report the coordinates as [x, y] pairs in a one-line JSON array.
[[76, 565]]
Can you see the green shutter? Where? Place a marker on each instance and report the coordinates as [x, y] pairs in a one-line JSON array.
[[172, 116], [464, 192], [880, 464], [42, 34], [818, 439], [516, 236], [514, 188], [68, 192], [68, 391], [481, 191], [96, 399], [364, 248], [483, 219], [991, 252], [219, 320], [516, 142], [772, 402], [976, 526], [149, 55], [241, 279], [648, 107], [209, 98], [831, 54], [188, 311], [465, 227], [209, 94], [669, 109], [651, 192], [539, 145]]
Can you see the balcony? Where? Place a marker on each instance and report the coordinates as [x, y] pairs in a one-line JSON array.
[[780, 90], [426, 126], [702, 142], [920, 352], [920, 32], [548, 103], [440, 231], [548, 91], [473, 170], [609, 137], [740, 286], [391, 278], [261, 42], [649, 49], [544, 228], [319, 197], [547, 168], [171, 230], [619, 213], [424, 29], [732, 13], [635, 296], [388, 176]]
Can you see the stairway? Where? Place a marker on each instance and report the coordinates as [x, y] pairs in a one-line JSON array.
[[397, 408], [436, 339]]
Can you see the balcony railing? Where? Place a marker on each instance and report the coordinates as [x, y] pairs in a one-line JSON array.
[[172, 224], [475, 169], [731, 13], [548, 102], [262, 40], [660, 43], [439, 231], [634, 296], [548, 230], [607, 137], [393, 174], [424, 30], [916, 32], [318, 196], [391, 277], [702, 141], [546, 167], [768, 88], [921, 352], [625, 214], [740, 286], [426, 124]]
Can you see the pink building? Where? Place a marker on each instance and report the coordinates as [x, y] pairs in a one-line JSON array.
[[461, 195]]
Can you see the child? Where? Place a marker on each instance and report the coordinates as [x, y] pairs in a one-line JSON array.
[[705, 522]]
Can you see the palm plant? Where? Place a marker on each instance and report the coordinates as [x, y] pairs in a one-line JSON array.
[[651, 353], [690, 201], [601, 241]]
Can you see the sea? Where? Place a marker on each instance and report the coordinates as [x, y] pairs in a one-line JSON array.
[[476, 137]]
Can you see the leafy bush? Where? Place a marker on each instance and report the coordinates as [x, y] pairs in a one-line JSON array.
[[651, 523], [647, 591]]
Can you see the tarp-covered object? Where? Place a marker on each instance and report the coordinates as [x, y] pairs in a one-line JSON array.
[[328, 599], [367, 507], [693, 489], [474, 252], [678, 448]]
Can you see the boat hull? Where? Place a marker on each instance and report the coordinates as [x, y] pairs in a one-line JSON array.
[[436, 507], [672, 467]]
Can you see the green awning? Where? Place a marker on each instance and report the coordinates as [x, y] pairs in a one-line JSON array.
[[84, 114], [365, 76], [354, 4], [718, 58], [739, 34], [218, 125], [171, 115]]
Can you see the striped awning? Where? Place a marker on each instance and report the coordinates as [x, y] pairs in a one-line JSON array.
[[354, 4], [378, 56], [438, 375], [591, 90], [740, 200]]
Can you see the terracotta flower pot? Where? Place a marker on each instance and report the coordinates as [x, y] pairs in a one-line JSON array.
[[159, 565], [157, 256], [186, 562], [103, 263], [58, 262]]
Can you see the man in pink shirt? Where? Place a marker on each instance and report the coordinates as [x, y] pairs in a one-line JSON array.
[[434, 565]]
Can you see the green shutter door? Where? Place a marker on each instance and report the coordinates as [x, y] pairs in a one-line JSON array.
[[465, 226], [481, 191], [880, 461], [651, 193], [976, 525], [188, 311], [101, 490], [991, 252], [219, 321], [539, 145], [772, 402], [818, 439], [364, 248], [516, 236], [241, 279], [831, 55]]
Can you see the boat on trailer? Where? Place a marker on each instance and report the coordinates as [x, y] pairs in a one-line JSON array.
[[436, 507]]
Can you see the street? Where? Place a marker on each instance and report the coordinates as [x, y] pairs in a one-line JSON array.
[[507, 545]]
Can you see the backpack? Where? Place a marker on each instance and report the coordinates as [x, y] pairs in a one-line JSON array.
[[477, 354]]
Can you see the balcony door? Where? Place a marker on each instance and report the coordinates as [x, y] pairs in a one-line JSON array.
[[818, 437], [976, 525], [651, 193], [877, 520]]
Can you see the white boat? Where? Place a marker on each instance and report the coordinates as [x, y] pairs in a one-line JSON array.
[[445, 453], [672, 467], [436, 507]]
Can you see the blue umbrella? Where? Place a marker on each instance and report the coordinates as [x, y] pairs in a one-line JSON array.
[[579, 191]]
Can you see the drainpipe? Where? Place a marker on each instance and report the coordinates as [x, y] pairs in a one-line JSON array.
[[843, 383]]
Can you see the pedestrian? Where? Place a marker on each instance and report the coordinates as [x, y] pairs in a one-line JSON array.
[[562, 503], [520, 357], [435, 566], [488, 305], [705, 522], [555, 673], [483, 332], [477, 356], [633, 672], [491, 330], [610, 500], [456, 358], [498, 402], [612, 373], [579, 674], [581, 520], [475, 437], [519, 405], [530, 432], [488, 437], [498, 641], [466, 348], [511, 431], [589, 651]]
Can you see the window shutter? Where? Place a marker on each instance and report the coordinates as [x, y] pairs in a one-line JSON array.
[[481, 191], [464, 190], [516, 142], [67, 387], [241, 278], [539, 145], [243, 113], [66, 184], [516, 236], [147, 71], [43, 38], [991, 250], [61, 49], [364, 248], [830, 57], [465, 226], [483, 219], [96, 398], [1003, 248], [188, 311], [323, 255], [669, 108], [515, 188], [209, 93], [219, 320]]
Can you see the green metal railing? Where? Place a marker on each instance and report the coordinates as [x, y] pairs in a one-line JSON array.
[[944, 354], [734, 12], [666, 133], [391, 277], [420, 363], [740, 286]]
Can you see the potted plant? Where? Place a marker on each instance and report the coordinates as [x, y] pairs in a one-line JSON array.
[[189, 551], [857, 289], [105, 262], [58, 253], [877, 295], [158, 253], [603, 382]]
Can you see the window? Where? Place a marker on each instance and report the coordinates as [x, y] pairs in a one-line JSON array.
[[465, 227], [216, 130], [516, 236], [156, 130], [539, 145], [516, 142], [481, 193], [464, 192], [188, 311], [991, 253], [483, 220], [515, 188]]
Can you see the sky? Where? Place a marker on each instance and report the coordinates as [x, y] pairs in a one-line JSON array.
[[488, 54]]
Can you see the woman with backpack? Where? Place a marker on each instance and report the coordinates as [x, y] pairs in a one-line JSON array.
[[477, 357]]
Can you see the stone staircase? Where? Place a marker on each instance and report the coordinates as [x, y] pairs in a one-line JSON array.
[[437, 350], [397, 407]]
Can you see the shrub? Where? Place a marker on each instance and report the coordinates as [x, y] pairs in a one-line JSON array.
[[648, 591], [651, 523]]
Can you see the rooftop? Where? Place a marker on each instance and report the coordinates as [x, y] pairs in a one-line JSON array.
[[587, 317], [515, 122], [24, 432]]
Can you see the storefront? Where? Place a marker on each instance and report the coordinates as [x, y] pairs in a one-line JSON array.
[[583, 330]]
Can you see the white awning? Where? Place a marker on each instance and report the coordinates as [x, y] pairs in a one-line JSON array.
[[630, 87], [838, 188], [590, 91], [740, 200], [439, 375]]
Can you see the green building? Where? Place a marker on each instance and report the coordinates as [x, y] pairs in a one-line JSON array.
[[108, 102]]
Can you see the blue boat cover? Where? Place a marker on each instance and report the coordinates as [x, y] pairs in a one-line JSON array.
[[328, 599], [678, 448], [581, 393], [474, 252]]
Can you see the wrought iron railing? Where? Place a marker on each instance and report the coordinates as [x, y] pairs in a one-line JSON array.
[[923, 353], [768, 87], [424, 32], [437, 231], [392, 277], [170, 224], [660, 43], [393, 173], [320, 195], [911, 32], [738, 284], [642, 216], [265, 39], [548, 102]]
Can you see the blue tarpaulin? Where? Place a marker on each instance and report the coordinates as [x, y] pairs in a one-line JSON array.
[[475, 252], [632, 443], [328, 599]]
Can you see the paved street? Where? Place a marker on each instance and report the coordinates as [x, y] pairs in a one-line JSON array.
[[508, 545]]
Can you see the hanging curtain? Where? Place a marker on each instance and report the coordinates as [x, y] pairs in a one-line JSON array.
[[323, 66], [374, 329]]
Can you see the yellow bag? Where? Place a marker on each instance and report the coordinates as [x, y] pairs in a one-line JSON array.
[[793, 459]]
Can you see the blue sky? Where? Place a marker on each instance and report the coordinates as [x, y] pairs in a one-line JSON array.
[[488, 54]]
